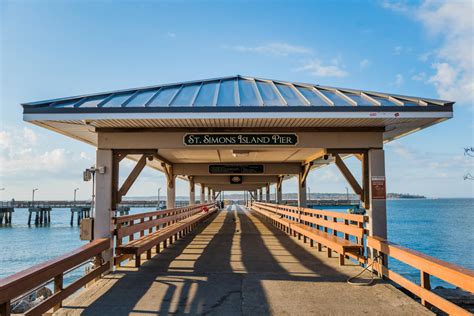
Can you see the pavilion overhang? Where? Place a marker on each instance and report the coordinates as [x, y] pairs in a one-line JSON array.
[[154, 125]]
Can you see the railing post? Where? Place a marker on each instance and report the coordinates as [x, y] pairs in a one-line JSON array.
[[58, 287], [5, 308], [426, 284]]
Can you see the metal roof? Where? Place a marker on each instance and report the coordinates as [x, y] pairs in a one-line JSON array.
[[231, 92]]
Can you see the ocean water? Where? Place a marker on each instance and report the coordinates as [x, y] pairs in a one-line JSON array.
[[443, 228]]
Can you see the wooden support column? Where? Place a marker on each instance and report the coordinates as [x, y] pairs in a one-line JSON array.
[[192, 192], [103, 225], [171, 186], [202, 198], [302, 201], [279, 194], [377, 211], [365, 180], [267, 192]]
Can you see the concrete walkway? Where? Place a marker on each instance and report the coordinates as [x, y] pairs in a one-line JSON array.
[[239, 264]]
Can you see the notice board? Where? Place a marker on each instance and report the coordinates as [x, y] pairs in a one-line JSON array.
[[378, 188]]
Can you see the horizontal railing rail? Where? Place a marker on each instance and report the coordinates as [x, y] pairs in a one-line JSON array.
[[428, 266], [18, 284], [128, 218], [348, 224], [84, 203]]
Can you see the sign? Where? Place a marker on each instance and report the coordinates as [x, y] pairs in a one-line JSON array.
[[240, 139], [235, 179], [378, 188], [235, 169]]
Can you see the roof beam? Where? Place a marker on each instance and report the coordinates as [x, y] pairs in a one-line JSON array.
[[132, 177], [170, 175], [130, 98], [235, 187], [345, 97], [198, 89], [322, 96], [236, 92], [348, 175], [299, 94], [370, 99], [175, 94], [305, 171], [282, 99], [162, 159], [153, 97], [257, 93], [246, 179], [202, 169], [216, 93]]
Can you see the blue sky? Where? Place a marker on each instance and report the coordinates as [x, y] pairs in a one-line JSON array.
[[61, 48]]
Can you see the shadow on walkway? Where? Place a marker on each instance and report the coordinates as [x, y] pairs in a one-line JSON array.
[[218, 269]]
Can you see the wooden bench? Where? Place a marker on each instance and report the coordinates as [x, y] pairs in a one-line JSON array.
[[329, 229], [161, 227]]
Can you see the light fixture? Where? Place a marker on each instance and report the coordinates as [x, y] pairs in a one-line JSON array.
[[240, 153]]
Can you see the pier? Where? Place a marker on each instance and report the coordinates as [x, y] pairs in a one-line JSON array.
[[6, 214], [248, 135], [42, 215], [81, 212]]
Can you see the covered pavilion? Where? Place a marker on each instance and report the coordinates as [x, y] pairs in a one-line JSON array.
[[237, 133]]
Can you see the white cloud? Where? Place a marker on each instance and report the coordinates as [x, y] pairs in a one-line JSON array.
[[5, 140], [414, 167], [453, 61], [397, 50], [419, 76], [398, 80], [317, 68], [30, 136], [364, 63], [274, 48], [398, 6], [22, 155]]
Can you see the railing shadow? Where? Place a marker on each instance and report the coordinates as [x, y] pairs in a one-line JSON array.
[[132, 285], [204, 272]]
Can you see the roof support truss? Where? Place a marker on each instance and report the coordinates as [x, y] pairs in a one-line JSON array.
[[132, 176], [348, 175]]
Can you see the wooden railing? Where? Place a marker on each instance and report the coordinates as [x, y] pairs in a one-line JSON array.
[[129, 225], [338, 224], [348, 224], [428, 266], [21, 283]]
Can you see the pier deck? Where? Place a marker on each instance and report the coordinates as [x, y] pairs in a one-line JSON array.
[[239, 264]]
